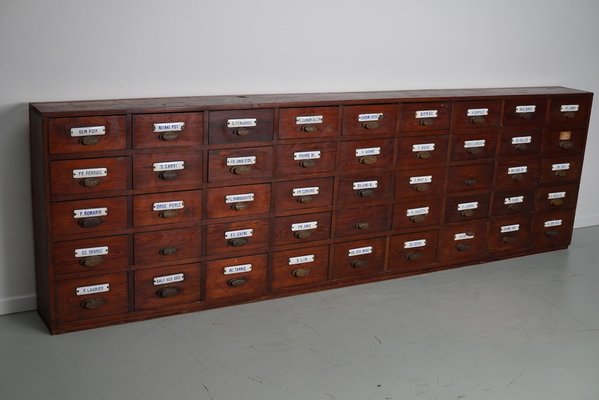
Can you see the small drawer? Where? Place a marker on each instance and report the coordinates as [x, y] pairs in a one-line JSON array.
[[556, 197], [236, 277], [239, 126], [89, 216], [524, 111], [299, 267], [413, 252], [167, 130], [359, 221], [569, 110], [424, 116], [422, 151], [560, 169], [106, 254], [306, 158], [564, 142], [473, 146], [164, 171], [238, 236], [517, 174], [308, 122], [92, 297], [475, 114], [166, 247], [360, 257], [419, 183], [369, 119], [367, 154], [551, 229], [509, 233], [512, 202], [415, 214], [465, 208], [520, 142], [459, 243], [301, 228], [239, 165], [167, 286], [307, 193], [365, 189], [167, 208], [86, 134], [92, 175], [238, 200], [467, 178]]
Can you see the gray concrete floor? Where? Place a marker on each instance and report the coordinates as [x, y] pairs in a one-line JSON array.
[[526, 328]]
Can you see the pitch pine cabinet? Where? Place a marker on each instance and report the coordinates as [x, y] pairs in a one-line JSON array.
[[150, 207]]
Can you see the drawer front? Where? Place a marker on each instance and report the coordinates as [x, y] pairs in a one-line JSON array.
[[419, 183], [473, 146], [91, 175], [417, 213], [236, 277], [165, 171], [520, 142], [167, 130], [561, 169], [299, 267], [307, 193], [167, 286], [89, 216], [467, 178], [240, 165], [306, 158], [413, 252], [424, 116], [301, 228], [358, 221], [365, 189], [556, 197], [106, 254], [465, 208], [459, 243], [167, 208], [360, 257], [167, 247], [512, 202], [364, 155], [517, 174], [564, 141], [238, 236], [86, 134], [552, 229], [308, 122], [569, 110], [475, 114], [238, 200], [509, 233], [369, 119], [422, 151], [524, 111], [92, 297], [239, 126]]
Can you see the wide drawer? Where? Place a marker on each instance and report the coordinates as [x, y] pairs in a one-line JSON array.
[[524, 111], [87, 216], [512, 202], [92, 175], [236, 277], [509, 233], [569, 110], [358, 221], [306, 158], [301, 228], [424, 116], [299, 267], [422, 151], [466, 207], [97, 255], [167, 208], [413, 252], [239, 126], [306, 193], [561, 169], [466, 178], [419, 183], [165, 171], [552, 229], [238, 200], [520, 142], [369, 119], [251, 235], [473, 145], [86, 134], [564, 141], [167, 246], [239, 165], [365, 189], [460, 243], [475, 114], [308, 122], [365, 155], [556, 197], [517, 174], [360, 257], [415, 214], [167, 130], [167, 286]]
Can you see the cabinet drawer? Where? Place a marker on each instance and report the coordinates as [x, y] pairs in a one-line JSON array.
[[512, 202], [556, 197], [308, 122], [466, 178], [236, 277], [301, 228], [369, 119], [306, 158], [473, 146], [86, 216], [424, 116], [91, 297], [106, 254], [569, 110], [419, 183], [465, 208], [459, 243], [239, 165], [413, 252], [561, 169], [509, 233], [86, 134], [91, 175], [422, 151], [417, 213], [365, 189], [167, 286], [520, 142], [475, 114], [167, 208], [299, 267], [367, 154], [238, 236], [360, 257], [167, 247], [358, 221], [307, 193], [239, 126], [517, 174], [524, 111], [167, 130], [164, 171], [564, 142], [238, 200], [551, 229]]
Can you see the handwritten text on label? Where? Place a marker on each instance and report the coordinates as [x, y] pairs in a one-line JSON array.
[[237, 269], [169, 126], [101, 288], [308, 258], [163, 280], [241, 122], [91, 251], [88, 131], [309, 119], [90, 173], [414, 243], [238, 234], [306, 155], [239, 198], [91, 212], [359, 251], [168, 166], [168, 205]]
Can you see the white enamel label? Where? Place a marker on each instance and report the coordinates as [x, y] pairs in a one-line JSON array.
[[513, 200], [91, 212], [91, 251], [237, 269], [169, 126], [239, 233], [168, 205], [427, 114], [560, 167], [510, 228], [414, 243], [474, 143], [302, 226], [517, 170], [308, 258], [359, 251], [525, 109], [241, 122], [168, 166], [555, 222], [521, 139], [306, 191], [476, 112], [309, 119], [90, 173], [423, 147], [370, 151], [410, 212], [88, 131], [163, 280], [468, 206], [83, 290], [462, 236], [365, 185], [569, 107], [248, 160], [414, 180], [370, 117], [306, 155], [239, 198], [556, 195]]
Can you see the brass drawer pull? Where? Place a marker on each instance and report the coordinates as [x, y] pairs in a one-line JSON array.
[[478, 120], [89, 182], [426, 122], [241, 132], [169, 136], [359, 263], [238, 282], [167, 292], [418, 218], [474, 150], [556, 202], [168, 214], [307, 163], [423, 155], [237, 242], [463, 247], [89, 140], [414, 256], [92, 304], [470, 182], [509, 239], [168, 175], [566, 144], [421, 187], [362, 225], [513, 207], [167, 251], [305, 199], [367, 160], [301, 272], [521, 147], [517, 177], [240, 206], [527, 115], [569, 114], [371, 125], [241, 170], [309, 128], [552, 233], [302, 234], [561, 174], [90, 222], [366, 193], [92, 261], [467, 213]]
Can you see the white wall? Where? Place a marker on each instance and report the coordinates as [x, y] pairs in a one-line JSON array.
[[90, 49]]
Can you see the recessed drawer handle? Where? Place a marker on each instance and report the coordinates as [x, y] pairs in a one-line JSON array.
[[418, 218], [556, 202], [241, 132], [168, 175], [517, 177], [509, 239], [92, 261], [238, 282], [423, 155], [167, 251], [521, 147], [241, 170], [463, 247], [90, 222], [569, 114], [301, 272], [552, 233], [240, 206], [566, 144], [479, 119], [561, 174], [305, 199], [92, 304], [527, 115], [421, 187], [371, 125], [359, 263], [167, 292], [89, 182], [362, 225], [467, 213], [367, 160], [307, 163], [309, 128], [474, 150], [366, 193], [168, 214], [414, 256], [302, 234], [426, 122], [470, 182], [89, 140], [237, 242], [169, 136], [513, 207]]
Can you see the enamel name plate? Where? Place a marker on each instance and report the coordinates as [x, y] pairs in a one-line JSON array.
[[239, 234], [241, 122], [513, 200], [474, 143], [556, 195], [239, 198], [414, 180], [477, 112], [306, 155], [163, 280], [359, 251], [423, 147], [370, 151], [468, 206], [462, 236], [306, 191], [309, 119], [90, 173], [555, 222], [83, 290], [414, 243], [88, 131], [365, 185], [517, 170], [427, 114], [91, 212], [248, 160], [560, 167], [237, 269], [302, 226], [525, 109], [510, 228], [168, 166], [308, 258], [169, 126], [521, 139], [168, 205], [569, 108], [410, 212], [91, 251], [370, 117]]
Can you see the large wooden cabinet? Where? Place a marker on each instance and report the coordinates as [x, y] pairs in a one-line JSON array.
[[149, 207]]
